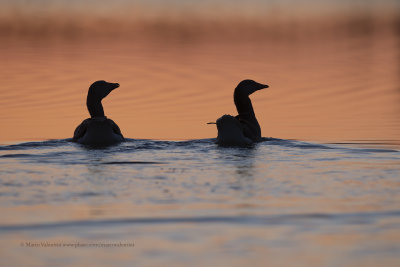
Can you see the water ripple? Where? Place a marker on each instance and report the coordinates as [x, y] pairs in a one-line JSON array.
[[280, 219]]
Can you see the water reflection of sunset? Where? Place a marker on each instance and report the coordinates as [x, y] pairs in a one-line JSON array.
[[333, 71], [331, 79]]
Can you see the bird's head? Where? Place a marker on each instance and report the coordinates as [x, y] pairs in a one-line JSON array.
[[100, 89], [250, 86]]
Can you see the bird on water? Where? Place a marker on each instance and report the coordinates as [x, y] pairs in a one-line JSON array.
[[98, 130], [242, 129]]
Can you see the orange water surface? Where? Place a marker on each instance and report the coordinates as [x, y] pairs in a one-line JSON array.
[[331, 78], [333, 71]]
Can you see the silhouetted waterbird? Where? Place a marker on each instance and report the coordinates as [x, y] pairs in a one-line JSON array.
[[98, 130], [244, 128]]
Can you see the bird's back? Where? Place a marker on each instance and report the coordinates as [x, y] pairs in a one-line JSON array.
[[230, 132], [98, 131]]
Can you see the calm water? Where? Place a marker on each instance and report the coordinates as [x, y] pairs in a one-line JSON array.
[[191, 202], [321, 190]]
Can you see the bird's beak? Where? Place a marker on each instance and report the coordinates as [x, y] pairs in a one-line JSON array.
[[114, 85], [262, 86]]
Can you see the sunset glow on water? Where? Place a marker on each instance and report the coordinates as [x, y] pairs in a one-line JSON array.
[[331, 78], [321, 189]]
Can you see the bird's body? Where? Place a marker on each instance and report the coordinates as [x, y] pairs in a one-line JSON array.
[[231, 132], [98, 130], [244, 128]]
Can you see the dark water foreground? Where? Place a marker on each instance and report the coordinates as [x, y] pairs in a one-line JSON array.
[[175, 203]]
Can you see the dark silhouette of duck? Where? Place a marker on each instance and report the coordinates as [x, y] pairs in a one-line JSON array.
[[98, 130], [244, 128]]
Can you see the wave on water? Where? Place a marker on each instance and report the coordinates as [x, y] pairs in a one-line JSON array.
[[149, 144], [276, 219], [33, 145]]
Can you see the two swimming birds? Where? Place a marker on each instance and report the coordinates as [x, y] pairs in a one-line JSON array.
[[239, 130]]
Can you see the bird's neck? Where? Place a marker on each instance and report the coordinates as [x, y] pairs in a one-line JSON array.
[[243, 102], [95, 107]]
